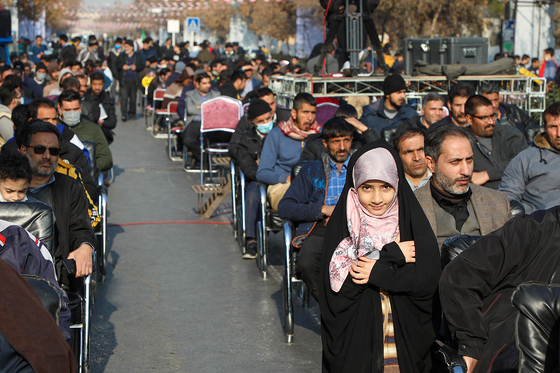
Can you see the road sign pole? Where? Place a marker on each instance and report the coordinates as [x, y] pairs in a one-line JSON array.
[[192, 37]]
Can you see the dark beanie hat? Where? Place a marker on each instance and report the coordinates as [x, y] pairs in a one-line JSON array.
[[257, 108], [129, 42], [393, 83]]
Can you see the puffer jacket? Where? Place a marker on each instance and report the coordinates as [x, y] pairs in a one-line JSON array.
[[375, 118], [531, 178], [249, 149]]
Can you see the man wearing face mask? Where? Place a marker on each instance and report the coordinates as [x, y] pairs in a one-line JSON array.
[[90, 53], [70, 109], [41, 75], [249, 150]]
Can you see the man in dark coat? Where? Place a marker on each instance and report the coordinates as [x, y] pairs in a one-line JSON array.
[[278, 115], [249, 149], [129, 64], [495, 144], [458, 95], [391, 109], [97, 96], [312, 196], [476, 287], [73, 234]]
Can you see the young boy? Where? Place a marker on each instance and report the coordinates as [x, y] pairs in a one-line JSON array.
[[15, 176]]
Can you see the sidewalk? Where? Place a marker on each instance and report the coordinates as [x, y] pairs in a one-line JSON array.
[[179, 297]]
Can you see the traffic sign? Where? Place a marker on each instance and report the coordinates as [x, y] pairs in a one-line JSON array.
[[193, 24], [173, 26]]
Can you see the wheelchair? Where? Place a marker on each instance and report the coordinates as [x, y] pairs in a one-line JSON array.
[[237, 178], [100, 229], [38, 219]]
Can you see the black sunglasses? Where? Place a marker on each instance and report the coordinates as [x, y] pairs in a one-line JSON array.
[[40, 149]]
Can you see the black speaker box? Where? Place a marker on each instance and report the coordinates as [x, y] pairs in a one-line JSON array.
[[5, 24]]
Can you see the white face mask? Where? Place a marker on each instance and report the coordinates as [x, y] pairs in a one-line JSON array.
[[41, 76], [71, 118]]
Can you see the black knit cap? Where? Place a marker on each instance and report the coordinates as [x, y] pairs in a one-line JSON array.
[[393, 83], [129, 42], [257, 108]]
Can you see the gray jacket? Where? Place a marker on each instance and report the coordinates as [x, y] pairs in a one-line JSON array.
[[6, 124], [532, 178], [193, 100], [507, 142]]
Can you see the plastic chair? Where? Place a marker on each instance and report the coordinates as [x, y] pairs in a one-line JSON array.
[[166, 114], [156, 103], [218, 114], [325, 111]]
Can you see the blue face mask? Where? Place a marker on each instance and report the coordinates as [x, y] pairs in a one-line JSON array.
[[117, 47], [265, 128]]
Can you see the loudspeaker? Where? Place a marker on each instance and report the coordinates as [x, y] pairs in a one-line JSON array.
[[5, 24]]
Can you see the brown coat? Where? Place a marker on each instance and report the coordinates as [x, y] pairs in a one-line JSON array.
[[491, 207]]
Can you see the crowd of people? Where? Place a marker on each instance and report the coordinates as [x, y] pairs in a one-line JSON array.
[[379, 190]]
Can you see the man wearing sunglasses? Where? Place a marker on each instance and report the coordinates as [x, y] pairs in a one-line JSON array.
[[495, 145], [40, 141]]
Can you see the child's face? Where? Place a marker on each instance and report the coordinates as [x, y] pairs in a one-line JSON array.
[[376, 196], [14, 190]]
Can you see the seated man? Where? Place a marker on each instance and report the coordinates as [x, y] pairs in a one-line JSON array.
[[284, 145], [70, 109], [107, 119], [278, 115], [194, 100], [532, 177], [235, 85], [452, 204], [476, 288], [312, 196], [432, 112], [495, 144], [74, 234], [249, 150], [409, 142], [506, 114], [391, 109], [458, 95]]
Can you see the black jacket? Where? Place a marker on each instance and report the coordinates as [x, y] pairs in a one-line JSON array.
[[138, 62], [109, 106], [507, 142], [73, 225], [282, 114], [518, 119], [228, 89], [476, 287], [249, 150]]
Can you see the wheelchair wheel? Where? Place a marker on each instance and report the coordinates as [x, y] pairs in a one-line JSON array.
[[261, 248]]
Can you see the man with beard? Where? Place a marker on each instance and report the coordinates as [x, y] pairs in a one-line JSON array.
[[452, 204], [495, 144], [107, 118], [284, 145], [390, 110], [531, 178], [432, 112], [409, 142], [74, 235], [312, 196], [458, 96]]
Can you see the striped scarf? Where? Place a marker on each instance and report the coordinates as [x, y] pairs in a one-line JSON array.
[[291, 130]]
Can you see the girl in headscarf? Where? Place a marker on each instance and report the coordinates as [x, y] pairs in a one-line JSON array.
[[380, 269]]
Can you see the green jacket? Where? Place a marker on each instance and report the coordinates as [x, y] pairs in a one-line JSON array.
[[89, 131]]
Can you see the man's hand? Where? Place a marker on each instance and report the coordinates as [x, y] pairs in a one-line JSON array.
[[471, 363], [289, 179], [359, 126], [83, 256], [100, 122], [361, 270], [133, 67], [327, 210], [125, 67], [480, 178]]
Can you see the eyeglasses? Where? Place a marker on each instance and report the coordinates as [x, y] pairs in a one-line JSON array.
[[487, 118], [40, 149]]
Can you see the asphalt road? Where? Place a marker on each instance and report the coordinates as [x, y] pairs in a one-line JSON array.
[[179, 297]]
